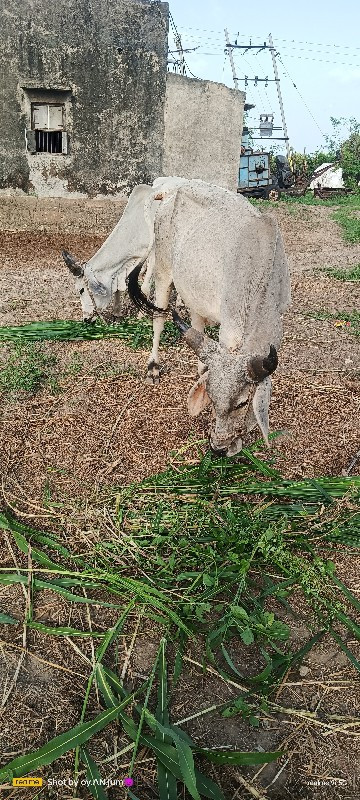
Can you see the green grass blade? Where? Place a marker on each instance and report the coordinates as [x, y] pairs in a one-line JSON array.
[[230, 662], [64, 631], [54, 586], [113, 632], [260, 465], [187, 767], [282, 665], [5, 619], [350, 623], [207, 787], [166, 753], [109, 698], [166, 780], [61, 744], [346, 592], [179, 660], [94, 781], [8, 578], [109, 637], [238, 758], [36, 555], [345, 649]]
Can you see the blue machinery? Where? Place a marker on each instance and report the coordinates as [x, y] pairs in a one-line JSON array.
[[255, 179]]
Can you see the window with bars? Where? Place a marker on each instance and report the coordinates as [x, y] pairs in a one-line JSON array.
[[47, 134]]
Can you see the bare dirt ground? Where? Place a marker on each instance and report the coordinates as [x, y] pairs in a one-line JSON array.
[[107, 427]]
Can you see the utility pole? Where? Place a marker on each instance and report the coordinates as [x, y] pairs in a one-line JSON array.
[[179, 46], [276, 75], [229, 52]]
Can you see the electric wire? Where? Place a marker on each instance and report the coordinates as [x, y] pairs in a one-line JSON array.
[[278, 56], [258, 87], [286, 45], [260, 37], [175, 31]]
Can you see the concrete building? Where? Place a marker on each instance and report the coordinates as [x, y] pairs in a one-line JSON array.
[[89, 109], [86, 80], [203, 128]]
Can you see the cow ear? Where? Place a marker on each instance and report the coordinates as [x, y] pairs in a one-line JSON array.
[[261, 403], [198, 397]]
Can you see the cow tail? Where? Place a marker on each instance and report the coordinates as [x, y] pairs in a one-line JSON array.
[[137, 296]]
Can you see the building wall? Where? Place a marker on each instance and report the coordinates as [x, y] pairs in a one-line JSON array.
[[106, 61], [203, 127]]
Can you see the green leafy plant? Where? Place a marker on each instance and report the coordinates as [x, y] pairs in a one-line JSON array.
[[352, 319], [75, 365], [345, 141], [352, 274], [204, 548], [349, 224], [28, 369]]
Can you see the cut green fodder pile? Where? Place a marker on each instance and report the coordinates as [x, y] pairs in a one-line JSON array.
[[216, 550], [136, 333]]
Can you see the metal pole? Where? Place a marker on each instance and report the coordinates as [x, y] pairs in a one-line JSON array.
[[276, 74], [229, 51], [179, 46]]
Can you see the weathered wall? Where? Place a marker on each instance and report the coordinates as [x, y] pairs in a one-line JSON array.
[[203, 127], [110, 56]]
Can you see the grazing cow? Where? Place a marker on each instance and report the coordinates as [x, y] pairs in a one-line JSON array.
[[226, 261]]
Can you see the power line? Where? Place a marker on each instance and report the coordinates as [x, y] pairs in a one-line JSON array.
[[298, 91], [353, 52], [320, 60], [178, 39], [278, 39], [285, 48]]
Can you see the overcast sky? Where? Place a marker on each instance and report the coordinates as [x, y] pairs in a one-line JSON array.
[[319, 45]]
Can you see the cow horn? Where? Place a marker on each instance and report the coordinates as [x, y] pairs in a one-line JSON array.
[[259, 367], [194, 338], [73, 265]]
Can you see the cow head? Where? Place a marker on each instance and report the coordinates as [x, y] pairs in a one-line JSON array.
[[89, 302], [236, 385]]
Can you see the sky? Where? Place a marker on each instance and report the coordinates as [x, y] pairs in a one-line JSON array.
[[319, 46]]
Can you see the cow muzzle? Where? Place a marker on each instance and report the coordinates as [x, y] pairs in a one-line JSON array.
[[221, 450], [216, 451]]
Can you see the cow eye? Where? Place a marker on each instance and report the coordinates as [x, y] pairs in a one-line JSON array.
[[241, 404], [82, 290]]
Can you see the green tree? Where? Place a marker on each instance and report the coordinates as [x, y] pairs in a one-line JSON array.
[[346, 149]]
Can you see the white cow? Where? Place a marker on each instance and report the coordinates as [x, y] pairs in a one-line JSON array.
[[226, 261]]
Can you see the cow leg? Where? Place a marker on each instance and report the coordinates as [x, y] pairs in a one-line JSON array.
[[162, 295], [198, 323], [146, 284]]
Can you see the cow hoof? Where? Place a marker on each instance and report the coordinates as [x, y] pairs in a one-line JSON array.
[[152, 380], [153, 373]]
